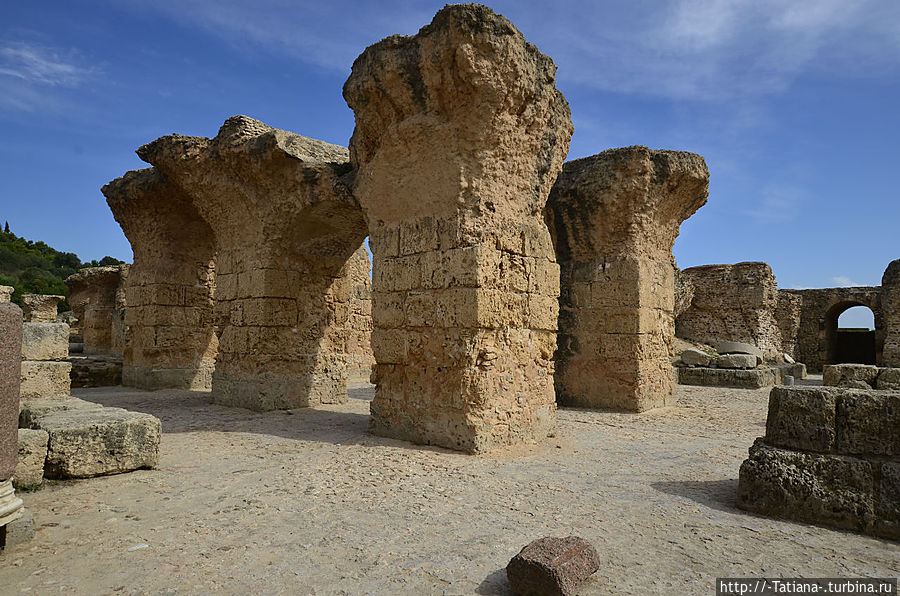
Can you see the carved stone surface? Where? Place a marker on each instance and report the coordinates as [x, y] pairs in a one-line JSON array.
[[460, 132], [40, 308], [169, 291], [615, 217], [285, 227]]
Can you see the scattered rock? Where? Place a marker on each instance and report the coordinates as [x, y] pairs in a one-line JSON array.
[[788, 359], [737, 361], [695, 357], [550, 566]]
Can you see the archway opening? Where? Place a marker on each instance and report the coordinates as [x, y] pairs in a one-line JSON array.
[[852, 335]]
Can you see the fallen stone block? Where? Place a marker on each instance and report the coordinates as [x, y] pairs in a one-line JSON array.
[[95, 442], [830, 489], [738, 347], [30, 411], [32, 455], [552, 566], [858, 376], [45, 341], [736, 361], [42, 379], [695, 357]]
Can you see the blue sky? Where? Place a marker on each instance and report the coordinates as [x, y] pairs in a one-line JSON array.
[[794, 105]]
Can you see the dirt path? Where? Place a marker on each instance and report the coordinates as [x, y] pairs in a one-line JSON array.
[[309, 503]]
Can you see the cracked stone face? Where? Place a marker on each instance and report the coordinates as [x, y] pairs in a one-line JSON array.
[[285, 228], [460, 132], [615, 217], [169, 290]]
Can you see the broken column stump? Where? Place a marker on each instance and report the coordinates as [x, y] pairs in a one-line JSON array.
[[285, 227], [552, 566], [169, 291], [615, 217], [460, 131]]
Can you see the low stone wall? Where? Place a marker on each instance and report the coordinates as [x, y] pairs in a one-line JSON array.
[[861, 376], [831, 456], [755, 378], [45, 347]]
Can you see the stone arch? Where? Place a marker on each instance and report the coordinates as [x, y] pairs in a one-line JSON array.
[[169, 339], [288, 234], [838, 348]]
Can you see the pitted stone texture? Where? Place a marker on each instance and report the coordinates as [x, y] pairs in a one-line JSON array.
[[32, 455], [10, 363], [93, 442], [97, 298], [6, 293], [40, 308], [737, 347], [732, 303], [614, 219], [695, 357], [34, 409], [861, 376], [169, 290], [285, 227], [890, 304], [888, 378], [552, 566], [360, 358], [44, 379], [788, 312], [460, 132], [45, 341], [765, 376], [736, 361]]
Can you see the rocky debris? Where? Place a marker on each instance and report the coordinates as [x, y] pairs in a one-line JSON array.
[[695, 357], [460, 133], [44, 378], [45, 341], [614, 218], [87, 442], [787, 358], [734, 303], [830, 455], [40, 308], [552, 566], [32, 455], [736, 361]]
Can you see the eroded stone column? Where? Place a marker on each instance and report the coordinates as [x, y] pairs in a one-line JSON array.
[[460, 132], [10, 362], [92, 294], [890, 308], [170, 341], [285, 227], [615, 217]]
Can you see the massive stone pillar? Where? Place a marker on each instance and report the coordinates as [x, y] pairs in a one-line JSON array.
[[460, 132], [285, 227], [94, 293], [170, 342], [10, 363], [615, 217], [890, 309]]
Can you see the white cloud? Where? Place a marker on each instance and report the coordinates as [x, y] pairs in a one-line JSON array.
[[38, 64], [778, 204], [842, 281]]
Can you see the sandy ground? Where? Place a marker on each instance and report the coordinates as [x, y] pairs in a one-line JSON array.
[[307, 502]]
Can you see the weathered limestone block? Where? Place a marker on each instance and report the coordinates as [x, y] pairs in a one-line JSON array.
[[10, 358], [887, 510], [33, 409], [171, 342], [360, 358], [728, 377], [736, 361], [890, 305], [835, 490], [96, 297], [45, 341], [40, 308], [460, 132], [44, 379], [860, 376], [802, 419], [615, 217], [285, 227], [88, 442], [736, 303], [888, 378], [552, 566], [32, 455], [695, 357], [6, 293]]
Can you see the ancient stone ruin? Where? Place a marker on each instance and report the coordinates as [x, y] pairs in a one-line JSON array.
[[453, 179], [614, 218], [890, 309], [10, 363], [97, 298]]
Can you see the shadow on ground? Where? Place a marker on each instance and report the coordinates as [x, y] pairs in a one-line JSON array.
[[715, 494]]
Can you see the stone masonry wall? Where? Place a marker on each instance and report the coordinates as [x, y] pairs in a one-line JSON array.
[[732, 303], [890, 307], [94, 293], [459, 135], [615, 217], [360, 358]]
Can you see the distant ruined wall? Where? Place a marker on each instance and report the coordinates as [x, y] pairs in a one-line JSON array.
[[788, 314], [819, 312], [732, 303], [890, 306], [96, 295], [359, 324]]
